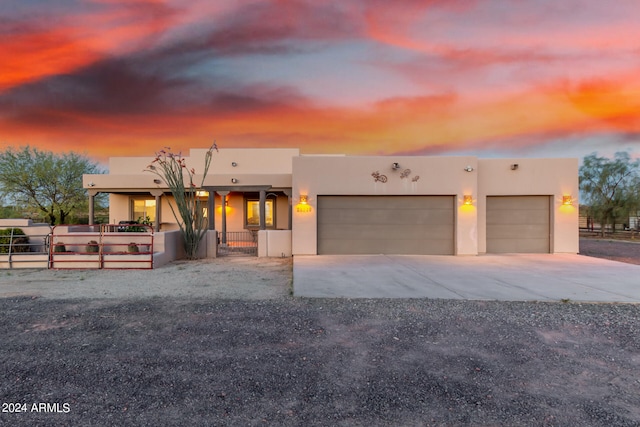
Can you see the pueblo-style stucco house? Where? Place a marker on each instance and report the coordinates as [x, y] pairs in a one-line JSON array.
[[293, 204]]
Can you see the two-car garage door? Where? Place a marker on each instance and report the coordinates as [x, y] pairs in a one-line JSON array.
[[418, 225]]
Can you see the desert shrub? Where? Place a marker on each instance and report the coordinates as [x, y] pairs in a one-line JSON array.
[[19, 243]]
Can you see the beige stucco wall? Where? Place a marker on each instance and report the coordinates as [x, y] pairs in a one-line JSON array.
[[248, 167], [315, 176], [348, 175], [257, 161], [352, 175], [533, 177], [274, 243]]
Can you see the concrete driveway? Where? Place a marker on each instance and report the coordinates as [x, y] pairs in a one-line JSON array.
[[518, 277]]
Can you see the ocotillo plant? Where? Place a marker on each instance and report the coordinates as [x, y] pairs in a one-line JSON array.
[[188, 210]]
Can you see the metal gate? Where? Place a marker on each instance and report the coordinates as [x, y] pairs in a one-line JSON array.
[[242, 243], [106, 246]]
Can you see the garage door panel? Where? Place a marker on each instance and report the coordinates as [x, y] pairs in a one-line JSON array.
[[385, 225], [389, 231], [389, 246], [520, 246], [522, 232], [518, 224], [386, 216], [386, 202], [519, 202], [518, 217]]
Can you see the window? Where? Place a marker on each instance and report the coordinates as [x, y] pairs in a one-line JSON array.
[[253, 213], [143, 208]]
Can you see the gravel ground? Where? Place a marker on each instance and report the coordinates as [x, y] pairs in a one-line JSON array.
[[616, 250], [228, 278], [227, 359]]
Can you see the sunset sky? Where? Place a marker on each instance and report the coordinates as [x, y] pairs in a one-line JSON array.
[[483, 77]]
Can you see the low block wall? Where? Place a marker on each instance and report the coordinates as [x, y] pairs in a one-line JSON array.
[[24, 260], [274, 243]]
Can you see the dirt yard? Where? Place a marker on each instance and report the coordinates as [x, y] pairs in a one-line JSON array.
[[618, 250], [223, 343]]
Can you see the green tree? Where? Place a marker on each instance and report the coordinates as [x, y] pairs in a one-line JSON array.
[[610, 187], [47, 182], [188, 212]]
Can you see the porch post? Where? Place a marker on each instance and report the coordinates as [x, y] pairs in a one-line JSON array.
[[211, 207], [223, 238], [263, 202], [92, 199], [288, 192], [157, 194]]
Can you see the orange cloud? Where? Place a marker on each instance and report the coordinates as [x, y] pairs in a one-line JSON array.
[[32, 51], [32, 55], [395, 125]]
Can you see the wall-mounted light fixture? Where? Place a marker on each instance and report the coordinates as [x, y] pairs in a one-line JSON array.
[[567, 200], [395, 166], [467, 200], [468, 169], [91, 184], [303, 205], [234, 164], [234, 180], [227, 208], [514, 166], [157, 181]]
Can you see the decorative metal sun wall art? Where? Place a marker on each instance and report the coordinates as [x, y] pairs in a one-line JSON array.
[[378, 177]]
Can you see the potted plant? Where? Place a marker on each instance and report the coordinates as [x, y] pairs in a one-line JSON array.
[[93, 247]]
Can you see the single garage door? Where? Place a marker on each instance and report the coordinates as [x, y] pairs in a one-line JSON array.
[[518, 224], [417, 225]]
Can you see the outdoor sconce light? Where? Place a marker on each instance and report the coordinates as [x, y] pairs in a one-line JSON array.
[[567, 200], [468, 169], [234, 180], [303, 205], [514, 166], [395, 166], [234, 164], [157, 181], [467, 200], [91, 184]]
